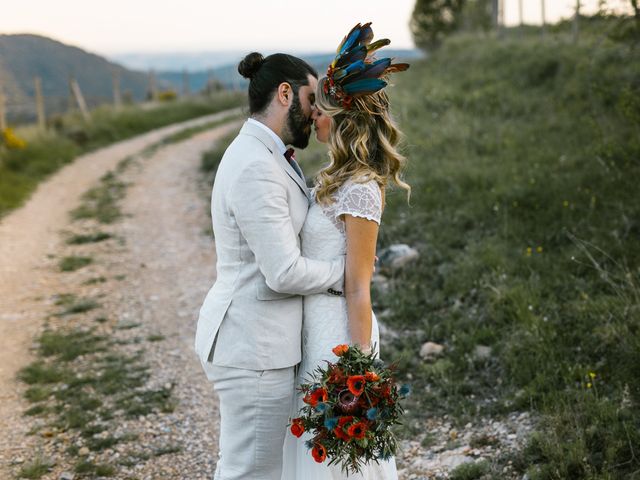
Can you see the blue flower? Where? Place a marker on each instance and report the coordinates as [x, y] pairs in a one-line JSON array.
[[322, 407], [372, 413], [330, 423], [405, 390]]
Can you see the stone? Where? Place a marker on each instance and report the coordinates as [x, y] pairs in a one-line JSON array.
[[482, 352], [454, 461], [397, 256], [431, 350], [66, 476], [83, 451]]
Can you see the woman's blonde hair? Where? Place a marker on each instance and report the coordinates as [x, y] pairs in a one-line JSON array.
[[362, 143]]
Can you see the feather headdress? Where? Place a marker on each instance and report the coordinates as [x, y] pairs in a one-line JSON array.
[[354, 71]]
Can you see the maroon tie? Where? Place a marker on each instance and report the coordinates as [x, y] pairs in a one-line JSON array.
[[290, 154]]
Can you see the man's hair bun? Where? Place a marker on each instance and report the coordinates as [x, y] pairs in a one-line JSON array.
[[250, 64]]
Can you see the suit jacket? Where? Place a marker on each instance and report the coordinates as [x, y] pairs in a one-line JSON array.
[[252, 316]]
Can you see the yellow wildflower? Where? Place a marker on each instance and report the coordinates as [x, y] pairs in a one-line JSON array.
[[529, 251], [565, 203], [11, 140], [539, 249], [592, 375], [589, 385]]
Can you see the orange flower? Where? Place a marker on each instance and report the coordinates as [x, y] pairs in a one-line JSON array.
[[355, 383], [297, 428], [314, 397], [339, 430], [357, 430], [371, 376], [340, 349], [319, 453]]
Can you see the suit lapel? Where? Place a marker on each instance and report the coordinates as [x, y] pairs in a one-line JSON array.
[[268, 142]]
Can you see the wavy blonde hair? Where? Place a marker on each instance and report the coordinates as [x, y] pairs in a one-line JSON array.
[[362, 144]]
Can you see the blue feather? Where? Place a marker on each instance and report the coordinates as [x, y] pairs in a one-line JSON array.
[[350, 39], [368, 85], [349, 69]]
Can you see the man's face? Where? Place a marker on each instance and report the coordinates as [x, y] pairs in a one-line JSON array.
[[302, 113]]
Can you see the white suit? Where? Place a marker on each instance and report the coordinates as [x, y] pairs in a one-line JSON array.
[[249, 329]]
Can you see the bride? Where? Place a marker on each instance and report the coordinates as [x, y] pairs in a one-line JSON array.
[[347, 201]]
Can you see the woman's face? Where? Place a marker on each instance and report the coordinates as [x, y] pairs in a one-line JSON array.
[[322, 124]]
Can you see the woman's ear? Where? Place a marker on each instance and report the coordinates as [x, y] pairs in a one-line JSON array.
[[285, 94]]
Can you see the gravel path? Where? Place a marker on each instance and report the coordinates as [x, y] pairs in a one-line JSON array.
[[165, 225]]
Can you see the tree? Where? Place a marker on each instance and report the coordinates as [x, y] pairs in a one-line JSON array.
[[432, 20]]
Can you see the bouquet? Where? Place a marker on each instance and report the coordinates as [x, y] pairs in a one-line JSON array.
[[350, 407]]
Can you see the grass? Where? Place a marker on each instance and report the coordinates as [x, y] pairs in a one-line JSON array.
[[469, 471], [72, 263], [48, 151], [35, 468], [95, 237], [71, 304], [523, 154], [83, 385], [523, 157], [101, 202]]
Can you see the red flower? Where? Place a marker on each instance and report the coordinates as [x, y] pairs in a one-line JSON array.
[[297, 428], [355, 383], [319, 452], [357, 430], [336, 375], [339, 430], [340, 350], [316, 396], [371, 377]]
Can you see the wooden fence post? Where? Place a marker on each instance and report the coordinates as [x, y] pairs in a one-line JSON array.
[[77, 94], [576, 19], [3, 112], [42, 122], [153, 94], [186, 90], [117, 97], [543, 13], [521, 12]]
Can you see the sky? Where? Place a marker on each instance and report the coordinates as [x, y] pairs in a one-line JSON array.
[[120, 26]]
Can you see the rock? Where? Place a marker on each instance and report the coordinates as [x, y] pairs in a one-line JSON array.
[[454, 461], [66, 476], [482, 352], [397, 256], [84, 451], [431, 350]]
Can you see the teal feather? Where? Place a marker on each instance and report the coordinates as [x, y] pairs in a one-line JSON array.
[[364, 87]]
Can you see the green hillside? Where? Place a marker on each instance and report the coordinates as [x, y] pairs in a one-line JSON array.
[[524, 160], [22, 57]]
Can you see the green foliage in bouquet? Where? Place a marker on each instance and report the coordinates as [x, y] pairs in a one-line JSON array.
[[350, 407]]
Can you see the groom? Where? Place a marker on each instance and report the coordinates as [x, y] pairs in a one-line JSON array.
[[249, 329]]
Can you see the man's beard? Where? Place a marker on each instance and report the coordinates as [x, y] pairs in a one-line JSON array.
[[298, 125]]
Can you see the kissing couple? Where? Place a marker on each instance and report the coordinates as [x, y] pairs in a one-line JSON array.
[[294, 265]]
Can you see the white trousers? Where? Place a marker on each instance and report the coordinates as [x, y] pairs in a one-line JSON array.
[[254, 412]]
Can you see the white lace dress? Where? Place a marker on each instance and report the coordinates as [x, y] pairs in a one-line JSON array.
[[325, 322]]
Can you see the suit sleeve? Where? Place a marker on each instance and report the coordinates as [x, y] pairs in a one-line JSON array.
[[259, 203]]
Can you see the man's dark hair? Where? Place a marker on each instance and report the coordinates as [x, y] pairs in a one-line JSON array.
[[266, 74]]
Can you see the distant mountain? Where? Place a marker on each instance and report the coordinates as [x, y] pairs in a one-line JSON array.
[[25, 56]]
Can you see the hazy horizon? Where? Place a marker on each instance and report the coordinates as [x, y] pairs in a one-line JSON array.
[[145, 27]]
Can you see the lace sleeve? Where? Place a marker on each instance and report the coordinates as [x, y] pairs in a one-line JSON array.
[[362, 200]]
